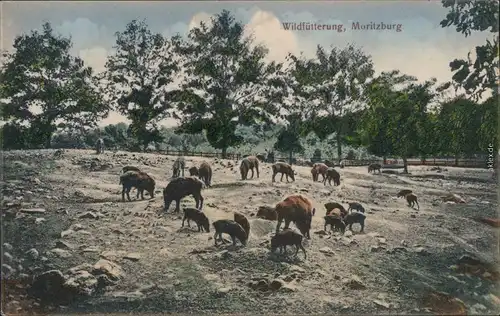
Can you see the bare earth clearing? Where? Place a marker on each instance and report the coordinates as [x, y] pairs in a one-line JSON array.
[[404, 255]]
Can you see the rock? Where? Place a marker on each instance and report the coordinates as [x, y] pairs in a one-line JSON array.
[[67, 233], [32, 254], [348, 233], [32, 210], [134, 256], [211, 277], [382, 303], [111, 269], [421, 250], [82, 283], [327, 250], [89, 215], [48, 285], [39, 220], [413, 216], [354, 283], [77, 227], [224, 290], [276, 284], [7, 270], [376, 248], [61, 253], [113, 254], [467, 259], [289, 287], [64, 245], [295, 268], [382, 241], [404, 243], [81, 267], [7, 246], [7, 257]]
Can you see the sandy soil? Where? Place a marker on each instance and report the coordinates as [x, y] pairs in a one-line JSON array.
[[403, 256]]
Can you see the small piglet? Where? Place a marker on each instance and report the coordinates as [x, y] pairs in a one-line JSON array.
[[231, 228], [353, 218], [335, 223], [287, 237], [198, 217]]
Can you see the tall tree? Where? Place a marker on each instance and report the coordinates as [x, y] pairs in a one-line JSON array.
[[336, 89], [228, 82], [139, 78], [45, 87], [475, 15], [289, 137]]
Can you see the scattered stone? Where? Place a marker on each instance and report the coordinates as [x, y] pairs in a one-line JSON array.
[[295, 268], [111, 269], [81, 267], [327, 250], [224, 290], [133, 256], [89, 215], [354, 283], [77, 227], [348, 233], [376, 248], [66, 233], [276, 284], [33, 210], [421, 250], [61, 253], [82, 283], [64, 245], [211, 277], [404, 243], [39, 220], [32, 254], [382, 241], [382, 303]]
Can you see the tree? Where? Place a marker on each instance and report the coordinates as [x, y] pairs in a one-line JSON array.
[[335, 85], [227, 83], [488, 132], [137, 80], [475, 15], [397, 112], [289, 138], [44, 87]]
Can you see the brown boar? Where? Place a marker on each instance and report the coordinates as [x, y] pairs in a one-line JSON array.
[[298, 209], [139, 180], [356, 206], [198, 217], [182, 187], [373, 167], [319, 169], [333, 205], [332, 174], [243, 221], [267, 212], [403, 193], [411, 198], [336, 223], [353, 218], [130, 168], [285, 170], [193, 171], [233, 229], [205, 173], [285, 238], [248, 164], [336, 212], [178, 167]]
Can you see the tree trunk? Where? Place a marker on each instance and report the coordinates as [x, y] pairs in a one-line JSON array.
[[339, 146], [224, 152], [456, 160], [405, 165], [385, 160], [290, 157]]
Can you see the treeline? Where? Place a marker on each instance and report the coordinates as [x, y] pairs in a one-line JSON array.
[[216, 83]]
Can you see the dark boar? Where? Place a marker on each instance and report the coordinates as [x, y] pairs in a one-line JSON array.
[[233, 229], [205, 173], [139, 180], [267, 212], [130, 168], [198, 217], [332, 174], [319, 169], [353, 218], [248, 164], [193, 171], [404, 192], [411, 198], [285, 170], [285, 238], [335, 223], [373, 167], [243, 221], [182, 187], [356, 206]]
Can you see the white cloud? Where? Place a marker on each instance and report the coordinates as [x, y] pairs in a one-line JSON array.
[[94, 57], [198, 18]]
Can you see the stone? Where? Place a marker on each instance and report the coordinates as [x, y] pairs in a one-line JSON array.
[[421, 250], [276, 284], [77, 227], [133, 256], [61, 253], [66, 233], [32, 210], [81, 267], [382, 241], [89, 215], [354, 283], [382, 303], [295, 268], [348, 233], [39, 220], [82, 283], [211, 277], [327, 250], [109, 268], [32, 254], [64, 245], [404, 243], [376, 248], [224, 290]]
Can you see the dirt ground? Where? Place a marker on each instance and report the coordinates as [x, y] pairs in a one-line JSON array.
[[399, 265]]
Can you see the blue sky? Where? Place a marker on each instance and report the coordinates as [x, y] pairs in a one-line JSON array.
[[422, 48]]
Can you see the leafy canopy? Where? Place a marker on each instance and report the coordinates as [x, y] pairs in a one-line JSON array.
[[44, 87]]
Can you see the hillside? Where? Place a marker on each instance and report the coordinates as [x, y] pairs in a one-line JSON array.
[[69, 210]]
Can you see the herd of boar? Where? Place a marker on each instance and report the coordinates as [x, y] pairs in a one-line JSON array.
[[294, 208]]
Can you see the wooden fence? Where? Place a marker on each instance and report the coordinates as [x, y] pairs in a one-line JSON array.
[[390, 162]]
